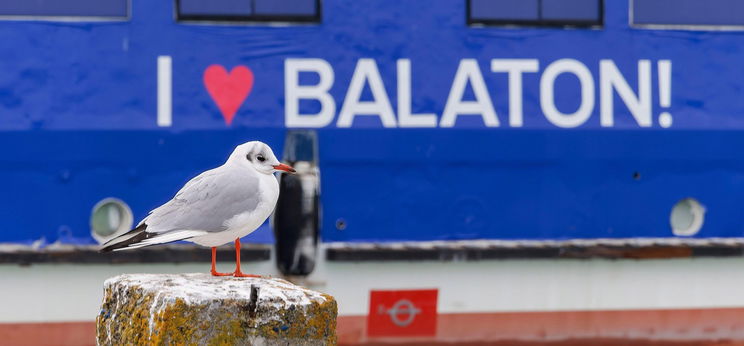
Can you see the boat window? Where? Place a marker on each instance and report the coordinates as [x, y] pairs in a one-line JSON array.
[[535, 12], [73, 9], [249, 10], [691, 14]]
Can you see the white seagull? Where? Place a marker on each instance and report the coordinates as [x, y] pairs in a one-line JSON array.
[[216, 207]]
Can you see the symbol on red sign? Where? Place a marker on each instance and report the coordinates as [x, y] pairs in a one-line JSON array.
[[402, 313]]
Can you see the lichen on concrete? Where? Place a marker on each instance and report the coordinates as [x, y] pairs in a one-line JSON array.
[[199, 309]]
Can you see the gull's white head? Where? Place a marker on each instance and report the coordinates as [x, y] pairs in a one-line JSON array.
[[259, 156]]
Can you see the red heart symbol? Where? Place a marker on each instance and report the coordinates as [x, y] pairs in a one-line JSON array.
[[228, 90]]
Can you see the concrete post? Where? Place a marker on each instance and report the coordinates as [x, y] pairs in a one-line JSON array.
[[199, 309]]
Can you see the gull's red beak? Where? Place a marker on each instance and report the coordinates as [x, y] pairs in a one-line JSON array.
[[283, 167]]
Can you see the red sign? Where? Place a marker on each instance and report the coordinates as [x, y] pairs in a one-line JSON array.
[[402, 313]]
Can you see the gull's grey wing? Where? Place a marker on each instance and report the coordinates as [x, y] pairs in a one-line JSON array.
[[206, 202]]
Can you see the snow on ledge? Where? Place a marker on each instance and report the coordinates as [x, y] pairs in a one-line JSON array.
[[201, 287]]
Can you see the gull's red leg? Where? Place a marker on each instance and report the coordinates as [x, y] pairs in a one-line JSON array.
[[214, 267], [238, 273]]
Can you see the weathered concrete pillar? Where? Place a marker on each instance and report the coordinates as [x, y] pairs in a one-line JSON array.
[[199, 309]]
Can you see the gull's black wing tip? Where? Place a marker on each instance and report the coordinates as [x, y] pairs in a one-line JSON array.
[[132, 237]]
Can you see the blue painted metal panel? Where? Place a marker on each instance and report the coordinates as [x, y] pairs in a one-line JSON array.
[[73, 8], [78, 123], [52, 179], [688, 12], [525, 184]]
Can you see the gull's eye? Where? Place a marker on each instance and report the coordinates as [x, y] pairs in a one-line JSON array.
[[260, 158]]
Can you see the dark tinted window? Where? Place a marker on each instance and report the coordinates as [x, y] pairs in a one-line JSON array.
[[535, 12], [507, 10], [688, 12], [215, 8], [249, 10], [571, 10], [65, 8], [286, 7]]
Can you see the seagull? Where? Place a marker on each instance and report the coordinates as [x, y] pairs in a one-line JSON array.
[[216, 207]]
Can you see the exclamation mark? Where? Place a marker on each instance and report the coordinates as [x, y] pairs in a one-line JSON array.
[[665, 91], [165, 98]]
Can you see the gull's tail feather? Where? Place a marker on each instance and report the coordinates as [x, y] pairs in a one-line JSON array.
[[139, 237], [125, 240]]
